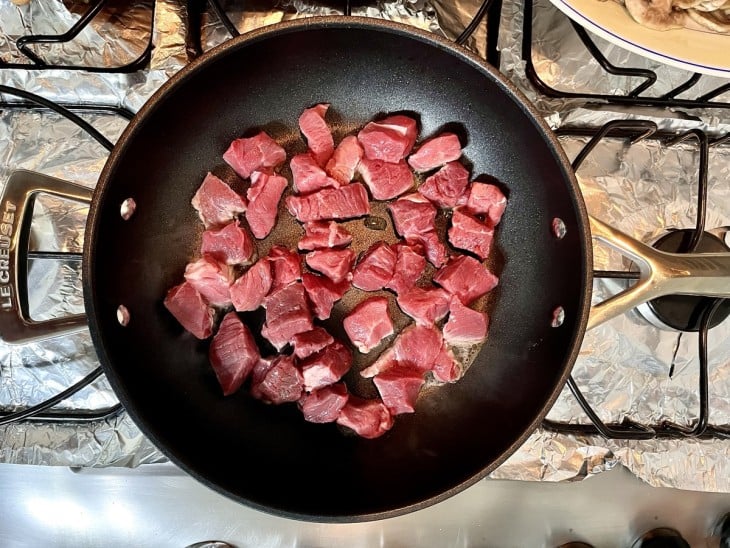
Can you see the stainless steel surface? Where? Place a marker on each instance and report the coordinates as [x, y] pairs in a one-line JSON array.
[[661, 273], [159, 506]]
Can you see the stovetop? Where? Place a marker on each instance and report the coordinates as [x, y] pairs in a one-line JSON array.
[[644, 177]]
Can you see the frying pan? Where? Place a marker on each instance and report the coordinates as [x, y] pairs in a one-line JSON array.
[[267, 456]]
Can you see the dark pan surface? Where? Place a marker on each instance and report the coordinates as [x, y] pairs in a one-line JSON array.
[[267, 456]]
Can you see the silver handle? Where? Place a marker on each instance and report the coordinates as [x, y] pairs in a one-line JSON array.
[[660, 274], [16, 210]]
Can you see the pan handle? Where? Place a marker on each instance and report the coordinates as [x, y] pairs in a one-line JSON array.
[[660, 274], [16, 212]]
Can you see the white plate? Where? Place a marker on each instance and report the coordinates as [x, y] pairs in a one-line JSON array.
[[692, 50]]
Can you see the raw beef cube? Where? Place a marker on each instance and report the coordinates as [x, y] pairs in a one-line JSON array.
[[425, 305], [250, 154], [309, 342], [286, 266], [189, 308], [385, 180], [409, 266], [308, 176], [368, 324], [367, 418], [412, 215], [333, 263], [314, 128], [230, 245], [324, 405], [470, 234], [415, 347], [375, 268], [446, 187], [281, 382], [233, 353], [248, 291], [323, 293], [466, 278], [446, 368], [399, 388], [211, 279], [343, 163], [287, 313], [436, 152], [326, 366], [323, 235], [389, 140], [263, 202], [435, 249], [345, 202], [217, 203], [385, 362], [465, 325], [486, 199]]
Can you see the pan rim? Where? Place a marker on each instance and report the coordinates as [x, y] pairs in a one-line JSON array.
[[303, 25]]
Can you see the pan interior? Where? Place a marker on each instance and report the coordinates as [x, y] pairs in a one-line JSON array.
[[267, 456]]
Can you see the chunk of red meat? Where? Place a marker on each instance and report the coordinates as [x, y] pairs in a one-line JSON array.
[[385, 180], [324, 234], [446, 187], [325, 404], [389, 140], [466, 278], [248, 291], [217, 203], [409, 266], [436, 152], [465, 325], [307, 176], [323, 293], [368, 324], [435, 249], [190, 310], [412, 215], [230, 245], [425, 305], [399, 388], [367, 418], [345, 159], [280, 382], [286, 266], [250, 154], [446, 368], [470, 234], [486, 199], [310, 342], [415, 347], [263, 202], [333, 263], [314, 128], [233, 353], [375, 268], [326, 366], [287, 313], [345, 202], [211, 279]]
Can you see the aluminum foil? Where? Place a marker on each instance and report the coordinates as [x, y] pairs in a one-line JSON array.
[[624, 364]]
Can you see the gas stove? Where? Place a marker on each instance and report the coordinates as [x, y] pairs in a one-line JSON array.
[[651, 149]]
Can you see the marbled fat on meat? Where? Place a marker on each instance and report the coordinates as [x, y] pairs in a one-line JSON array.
[[249, 290], [233, 353], [263, 202], [333, 263], [375, 268], [368, 324], [216, 202], [287, 313], [231, 245], [211, 279], [466, 278], [190, 310], [413, 215], [346, 202], [390, 139], [384, 179], [435, 250], [250, 154], [323, 235], [447, 187], [324, 405]]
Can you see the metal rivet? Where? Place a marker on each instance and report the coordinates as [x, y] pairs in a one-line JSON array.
[[127, 209], [122, 315], [558, 317], [559, 229]]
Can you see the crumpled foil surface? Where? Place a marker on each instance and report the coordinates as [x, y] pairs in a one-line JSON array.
[[624, 365]]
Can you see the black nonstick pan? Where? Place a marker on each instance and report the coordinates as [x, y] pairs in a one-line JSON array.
[[267, 456]]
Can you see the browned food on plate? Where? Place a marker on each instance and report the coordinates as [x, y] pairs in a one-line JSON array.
[[368, 324], [389, 139], [231, 245], [233, 353], [211, 279], [466, 278], [315, 130], [190, 310], [347, 202], [250, 154], [325, 404], [248, 291], [436, 152], [217, 203], [323, 235]]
